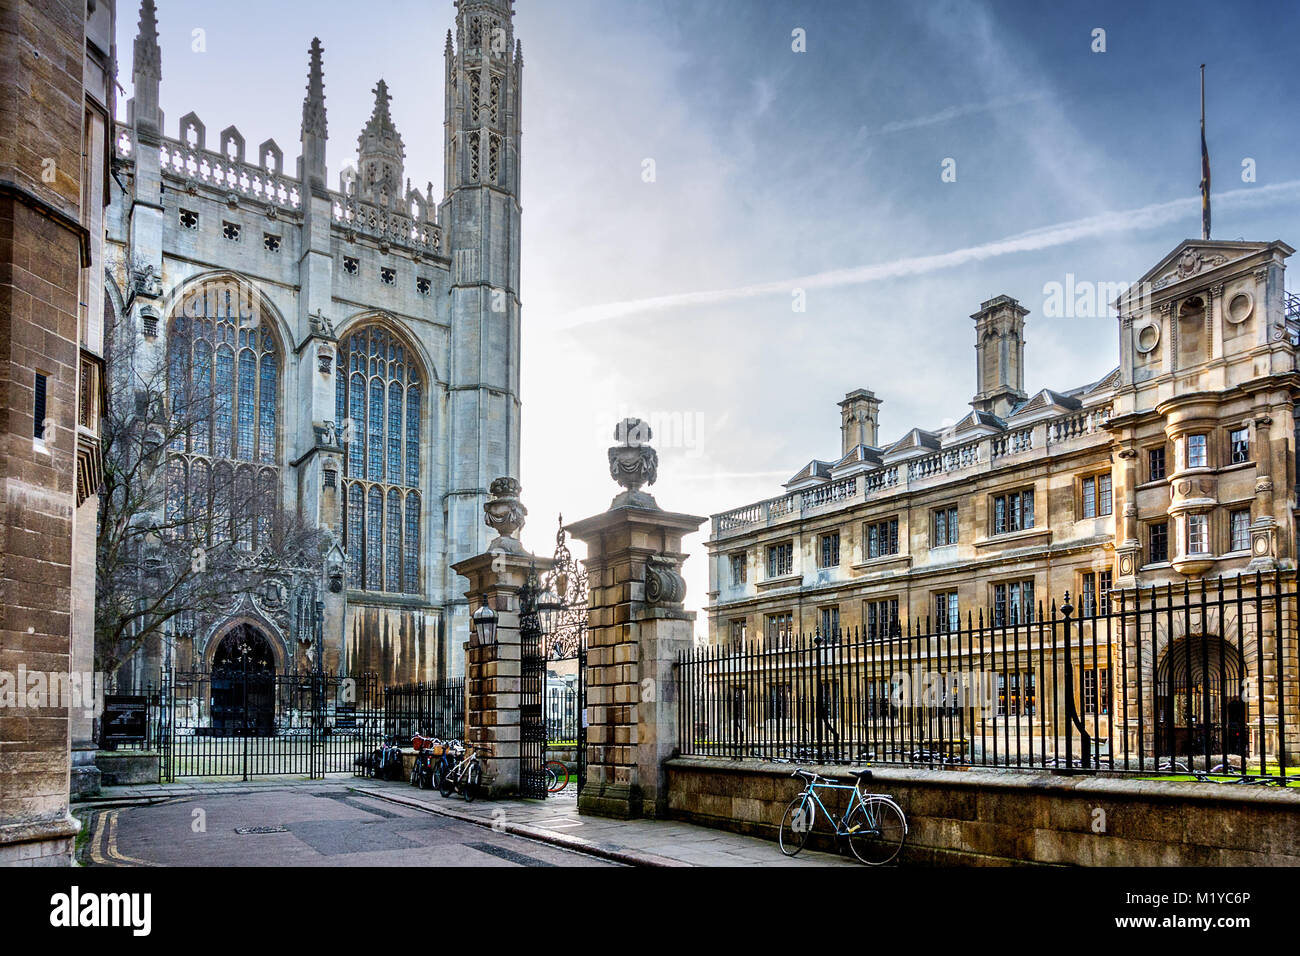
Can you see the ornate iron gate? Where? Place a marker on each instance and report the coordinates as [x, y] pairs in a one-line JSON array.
[[249, 722], [532, 684], [564, 610]]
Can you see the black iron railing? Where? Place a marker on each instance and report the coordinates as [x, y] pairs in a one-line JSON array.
[[1168, 680], [562, 716], [241, 721], [434, 709]]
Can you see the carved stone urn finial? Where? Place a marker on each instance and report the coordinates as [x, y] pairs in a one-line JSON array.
[[633, 463], [504, 513]]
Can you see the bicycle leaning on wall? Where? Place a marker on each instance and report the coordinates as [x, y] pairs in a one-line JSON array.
[[873, 823]]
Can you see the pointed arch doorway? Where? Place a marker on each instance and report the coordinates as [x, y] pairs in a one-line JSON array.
[[243, 684]]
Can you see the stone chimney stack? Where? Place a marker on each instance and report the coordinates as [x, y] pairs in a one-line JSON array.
[[1000, 355], [859, 420]]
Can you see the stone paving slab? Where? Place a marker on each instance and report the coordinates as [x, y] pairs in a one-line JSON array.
[[636, 842]]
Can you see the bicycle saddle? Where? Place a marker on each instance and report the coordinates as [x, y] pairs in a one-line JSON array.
[[860, 774]]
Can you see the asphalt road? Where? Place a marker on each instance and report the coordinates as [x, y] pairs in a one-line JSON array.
[[304, 825]]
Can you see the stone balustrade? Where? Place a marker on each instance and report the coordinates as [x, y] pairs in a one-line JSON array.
[[266, 182], [1051, 436], [228, 174]]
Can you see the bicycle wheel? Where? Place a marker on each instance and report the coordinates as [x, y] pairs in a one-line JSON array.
[[446, 782], [877, 830], [796, 824], [557, 776], [472, 777]]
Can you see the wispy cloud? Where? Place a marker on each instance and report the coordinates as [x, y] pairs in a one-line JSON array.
[[952, 113], [1046, 237]]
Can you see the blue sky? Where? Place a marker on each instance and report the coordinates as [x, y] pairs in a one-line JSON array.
[[777, 170]]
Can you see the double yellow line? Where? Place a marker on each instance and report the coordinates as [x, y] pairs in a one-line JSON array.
[[103, 842]]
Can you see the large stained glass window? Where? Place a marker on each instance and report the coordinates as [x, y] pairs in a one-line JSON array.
[[378, 393], [223, 367]]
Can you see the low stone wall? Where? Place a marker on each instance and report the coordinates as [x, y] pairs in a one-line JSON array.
[[120, 768], [994, 818]]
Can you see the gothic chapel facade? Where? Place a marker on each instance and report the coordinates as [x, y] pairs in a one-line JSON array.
[[360, 341]]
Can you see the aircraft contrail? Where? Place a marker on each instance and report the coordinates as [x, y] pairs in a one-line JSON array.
[[954, 112], [1145, 217]]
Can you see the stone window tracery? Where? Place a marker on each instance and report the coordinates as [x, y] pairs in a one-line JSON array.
[[223, 375], [378, 402]]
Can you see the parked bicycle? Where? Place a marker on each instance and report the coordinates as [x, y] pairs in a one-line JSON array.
[[385, 762], [450, 753], [874, 825], [464, 776], [557, 776], [428, 750]]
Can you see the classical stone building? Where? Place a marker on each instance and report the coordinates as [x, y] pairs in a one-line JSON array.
[[1178, 465], [56, 104], [360, 336]]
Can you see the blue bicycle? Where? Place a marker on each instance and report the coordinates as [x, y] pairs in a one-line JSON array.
[[873, 823]]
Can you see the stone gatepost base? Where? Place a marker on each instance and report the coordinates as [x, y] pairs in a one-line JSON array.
[[493, 672], [39, 842], [636, 629]]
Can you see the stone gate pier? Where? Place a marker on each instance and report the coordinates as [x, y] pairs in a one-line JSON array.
[[636, 628], [494, 671]]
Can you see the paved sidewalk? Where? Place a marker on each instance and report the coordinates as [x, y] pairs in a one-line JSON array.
[[636, 842], [154, 792]]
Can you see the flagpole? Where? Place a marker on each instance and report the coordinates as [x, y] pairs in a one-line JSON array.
[[1205, 167]]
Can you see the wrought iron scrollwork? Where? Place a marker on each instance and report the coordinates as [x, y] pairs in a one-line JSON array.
[[566, 585]]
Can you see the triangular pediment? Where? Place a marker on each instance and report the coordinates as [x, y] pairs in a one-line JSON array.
[[859, 458], [917, 440], [813, 473], [1106, 383], [1045, 403], [978, 422], [1197, 257]]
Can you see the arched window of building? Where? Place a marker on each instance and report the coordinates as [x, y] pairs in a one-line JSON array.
[[223, 370], [378, 405]]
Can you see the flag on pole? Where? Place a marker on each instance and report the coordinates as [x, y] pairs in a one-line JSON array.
[[1205, 167]]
